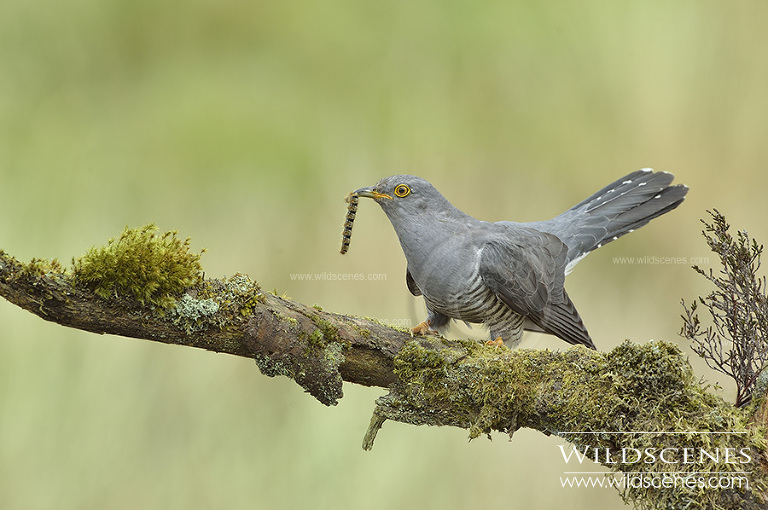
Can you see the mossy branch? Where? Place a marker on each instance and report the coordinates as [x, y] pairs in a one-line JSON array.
[[591, 399]]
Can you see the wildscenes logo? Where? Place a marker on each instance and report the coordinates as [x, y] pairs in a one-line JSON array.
[[670, 455]]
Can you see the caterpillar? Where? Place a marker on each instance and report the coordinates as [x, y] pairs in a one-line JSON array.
[[352, 200]]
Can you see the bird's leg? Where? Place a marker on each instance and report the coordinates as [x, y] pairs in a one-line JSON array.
[[423, 328], [431, 326]]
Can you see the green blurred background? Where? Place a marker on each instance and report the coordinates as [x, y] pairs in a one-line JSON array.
[[244, 124]]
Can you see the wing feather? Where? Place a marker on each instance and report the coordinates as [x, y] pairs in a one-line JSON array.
[[409, 281], [527, 273]]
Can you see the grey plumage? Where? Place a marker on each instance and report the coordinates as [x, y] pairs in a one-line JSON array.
[[510, 276]]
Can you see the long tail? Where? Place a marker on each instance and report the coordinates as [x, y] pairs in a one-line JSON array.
[[619, 208]]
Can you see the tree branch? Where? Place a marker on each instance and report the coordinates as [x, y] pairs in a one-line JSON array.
[[596, 401]]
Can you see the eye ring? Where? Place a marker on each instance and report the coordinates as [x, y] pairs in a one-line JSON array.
[[402, 190]]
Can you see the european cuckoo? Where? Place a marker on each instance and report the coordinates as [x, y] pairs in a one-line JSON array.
[[510, 276]]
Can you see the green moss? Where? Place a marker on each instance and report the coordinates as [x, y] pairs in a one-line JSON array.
[[649, 388], [759, 394], [245, 293], [325, 334], [154, 269], [396, 328], [316, 340], [284, 295], [362, 332], [432, 374], [415, 361], [42, 267]]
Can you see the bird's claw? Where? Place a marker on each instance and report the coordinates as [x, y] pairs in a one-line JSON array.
[[498, 342], [423, 328]]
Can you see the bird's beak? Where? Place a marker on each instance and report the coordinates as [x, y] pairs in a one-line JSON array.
[[369, 192]]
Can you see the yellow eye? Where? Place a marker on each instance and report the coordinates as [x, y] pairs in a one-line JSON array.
[[402, 190]]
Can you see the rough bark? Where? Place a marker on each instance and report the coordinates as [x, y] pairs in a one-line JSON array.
[[598, 401]]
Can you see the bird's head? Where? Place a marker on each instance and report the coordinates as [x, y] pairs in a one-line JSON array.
[[403, 194], [418, 212]]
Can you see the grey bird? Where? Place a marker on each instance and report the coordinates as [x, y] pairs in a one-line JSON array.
[[510, 276]]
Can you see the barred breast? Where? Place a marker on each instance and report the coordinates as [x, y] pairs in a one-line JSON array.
[[478, 304]]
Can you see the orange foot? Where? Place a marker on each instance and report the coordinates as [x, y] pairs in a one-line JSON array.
[[423, 328], [496, 343]]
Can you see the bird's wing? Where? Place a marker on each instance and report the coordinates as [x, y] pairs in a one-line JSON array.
[[415, 290], [527, 272]]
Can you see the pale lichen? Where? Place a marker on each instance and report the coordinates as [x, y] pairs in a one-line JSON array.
[[237, 296], [192, 314], [272, 367]]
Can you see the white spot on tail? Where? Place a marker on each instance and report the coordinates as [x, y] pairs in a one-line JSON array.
[[658, 196], [627, 182], [642, 184], [569, 267]]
